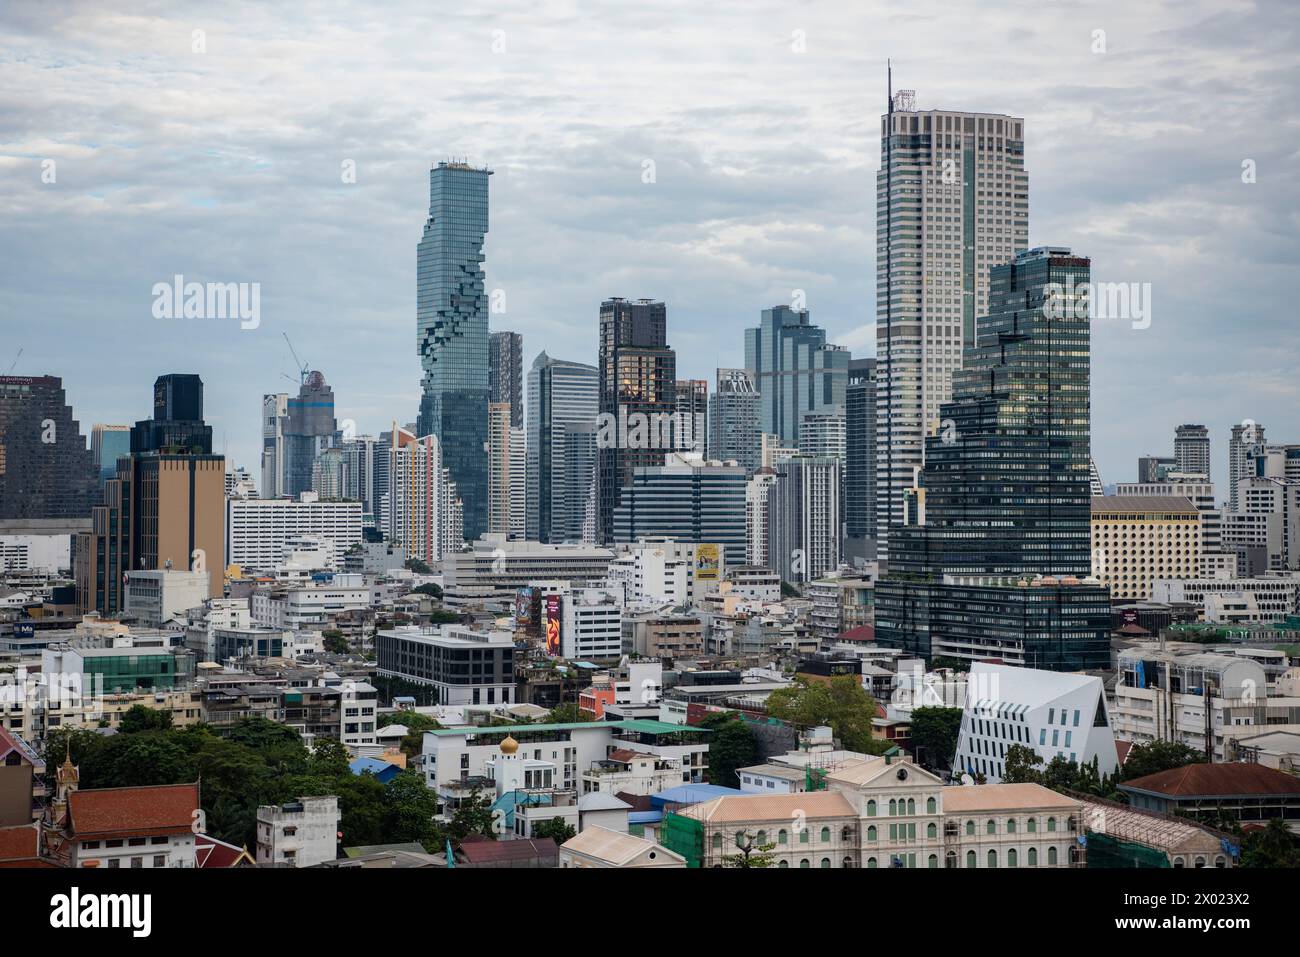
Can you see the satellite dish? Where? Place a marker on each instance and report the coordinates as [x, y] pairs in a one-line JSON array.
[[967, 780]]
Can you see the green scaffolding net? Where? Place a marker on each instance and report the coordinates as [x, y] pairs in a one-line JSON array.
[[1106, 851], [684, 836]]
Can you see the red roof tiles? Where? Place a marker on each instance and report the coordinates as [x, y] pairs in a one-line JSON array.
[[1211, 780], [109, 812]]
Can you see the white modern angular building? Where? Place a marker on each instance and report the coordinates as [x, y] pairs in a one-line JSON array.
[[1055, 714]]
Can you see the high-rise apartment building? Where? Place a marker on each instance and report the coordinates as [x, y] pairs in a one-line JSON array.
[[452, 331], [1192, 450], [1247, 438], [735, 426], [796, 369], [506, 373], [860, 460], [501, 470], [638, 396], [563, 399], [1000, 568], [690, 415], [423, 514], [46, 471], [275, 416], [803, 518], [952, 200]]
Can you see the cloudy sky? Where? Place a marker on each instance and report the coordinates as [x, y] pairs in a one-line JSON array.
[[219, 155]]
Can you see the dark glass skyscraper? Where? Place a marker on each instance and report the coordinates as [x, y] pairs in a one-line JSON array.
[[506, 373], [46, 471], [561, 457], [638, 396], [860, 460], [996, 568], [735, 431], [452, 331], [177, 424]]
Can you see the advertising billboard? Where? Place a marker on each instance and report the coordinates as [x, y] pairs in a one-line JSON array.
[[553, 625], [524, 610], [708, 563]]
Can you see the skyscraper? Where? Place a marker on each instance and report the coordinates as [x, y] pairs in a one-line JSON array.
[[452, 331], [952, 200], [1000, 567], [309, 430], [735, 430], [797, 371], [501, 504], [46, 471], [563, 398], [860, 461], [506, 373], [1192, 449], [108, 443], [275, 416], [638, 396], [166, 507], [803, 518], [1246, 438], [690, 415]]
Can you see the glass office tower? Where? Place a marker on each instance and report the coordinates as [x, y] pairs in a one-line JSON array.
[[452, 331], [1000, 566], [796, 370]]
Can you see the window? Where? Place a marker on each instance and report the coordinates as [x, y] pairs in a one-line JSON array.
[[783, 864], [871, 833], [761, 838], [893, 807], [932, 862], [717, 842], [803, 836], [1051, 824], [1011, 825], [826, 834], [782, 837], [871, 808], [137, 862], [993, 858], [1051, 856], [116, 862], [931, 806], [1032, 825], [950, 859], [970, 859], [911, 806], [826, 863], [931, 830], [991, 827], [871, 863], [740, 838], [804, 863], [1033, 857], [1011, 857], [160, 860], [970, 828]]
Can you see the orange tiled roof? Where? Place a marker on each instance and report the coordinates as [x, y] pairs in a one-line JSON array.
[[164, 809]]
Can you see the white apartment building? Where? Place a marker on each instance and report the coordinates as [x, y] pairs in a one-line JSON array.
[[465, 667], [257, 530], [360, 702], [155, 597], [756, 530], [301, 833], [308, 607], [1187, 698], [1054, 714], [47, 554], [494, 568]]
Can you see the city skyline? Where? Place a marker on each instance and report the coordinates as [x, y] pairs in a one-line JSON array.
[[738, 214]]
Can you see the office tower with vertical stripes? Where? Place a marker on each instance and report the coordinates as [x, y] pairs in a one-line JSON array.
[[506, 373], [563, 398], [860, 461], [952, 200], [796, 369], [735, 431]]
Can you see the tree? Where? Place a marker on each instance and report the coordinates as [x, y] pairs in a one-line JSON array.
[[934, 735], [731, 747], [1272, 846], [788, 590], [567, 713], [410, 806], [555, 829], [430, 589], [139, 718], [842, 703], [333, 642], [441, 616], [1157, 756], [1021, 766], [473, 816], [418, 566], [416, 724], [751, 854], [952, 664]]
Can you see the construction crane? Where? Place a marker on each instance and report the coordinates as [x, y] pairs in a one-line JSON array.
[[301, 366], [15, 362]]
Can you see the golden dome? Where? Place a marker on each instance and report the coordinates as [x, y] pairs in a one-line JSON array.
[[509, 745]]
